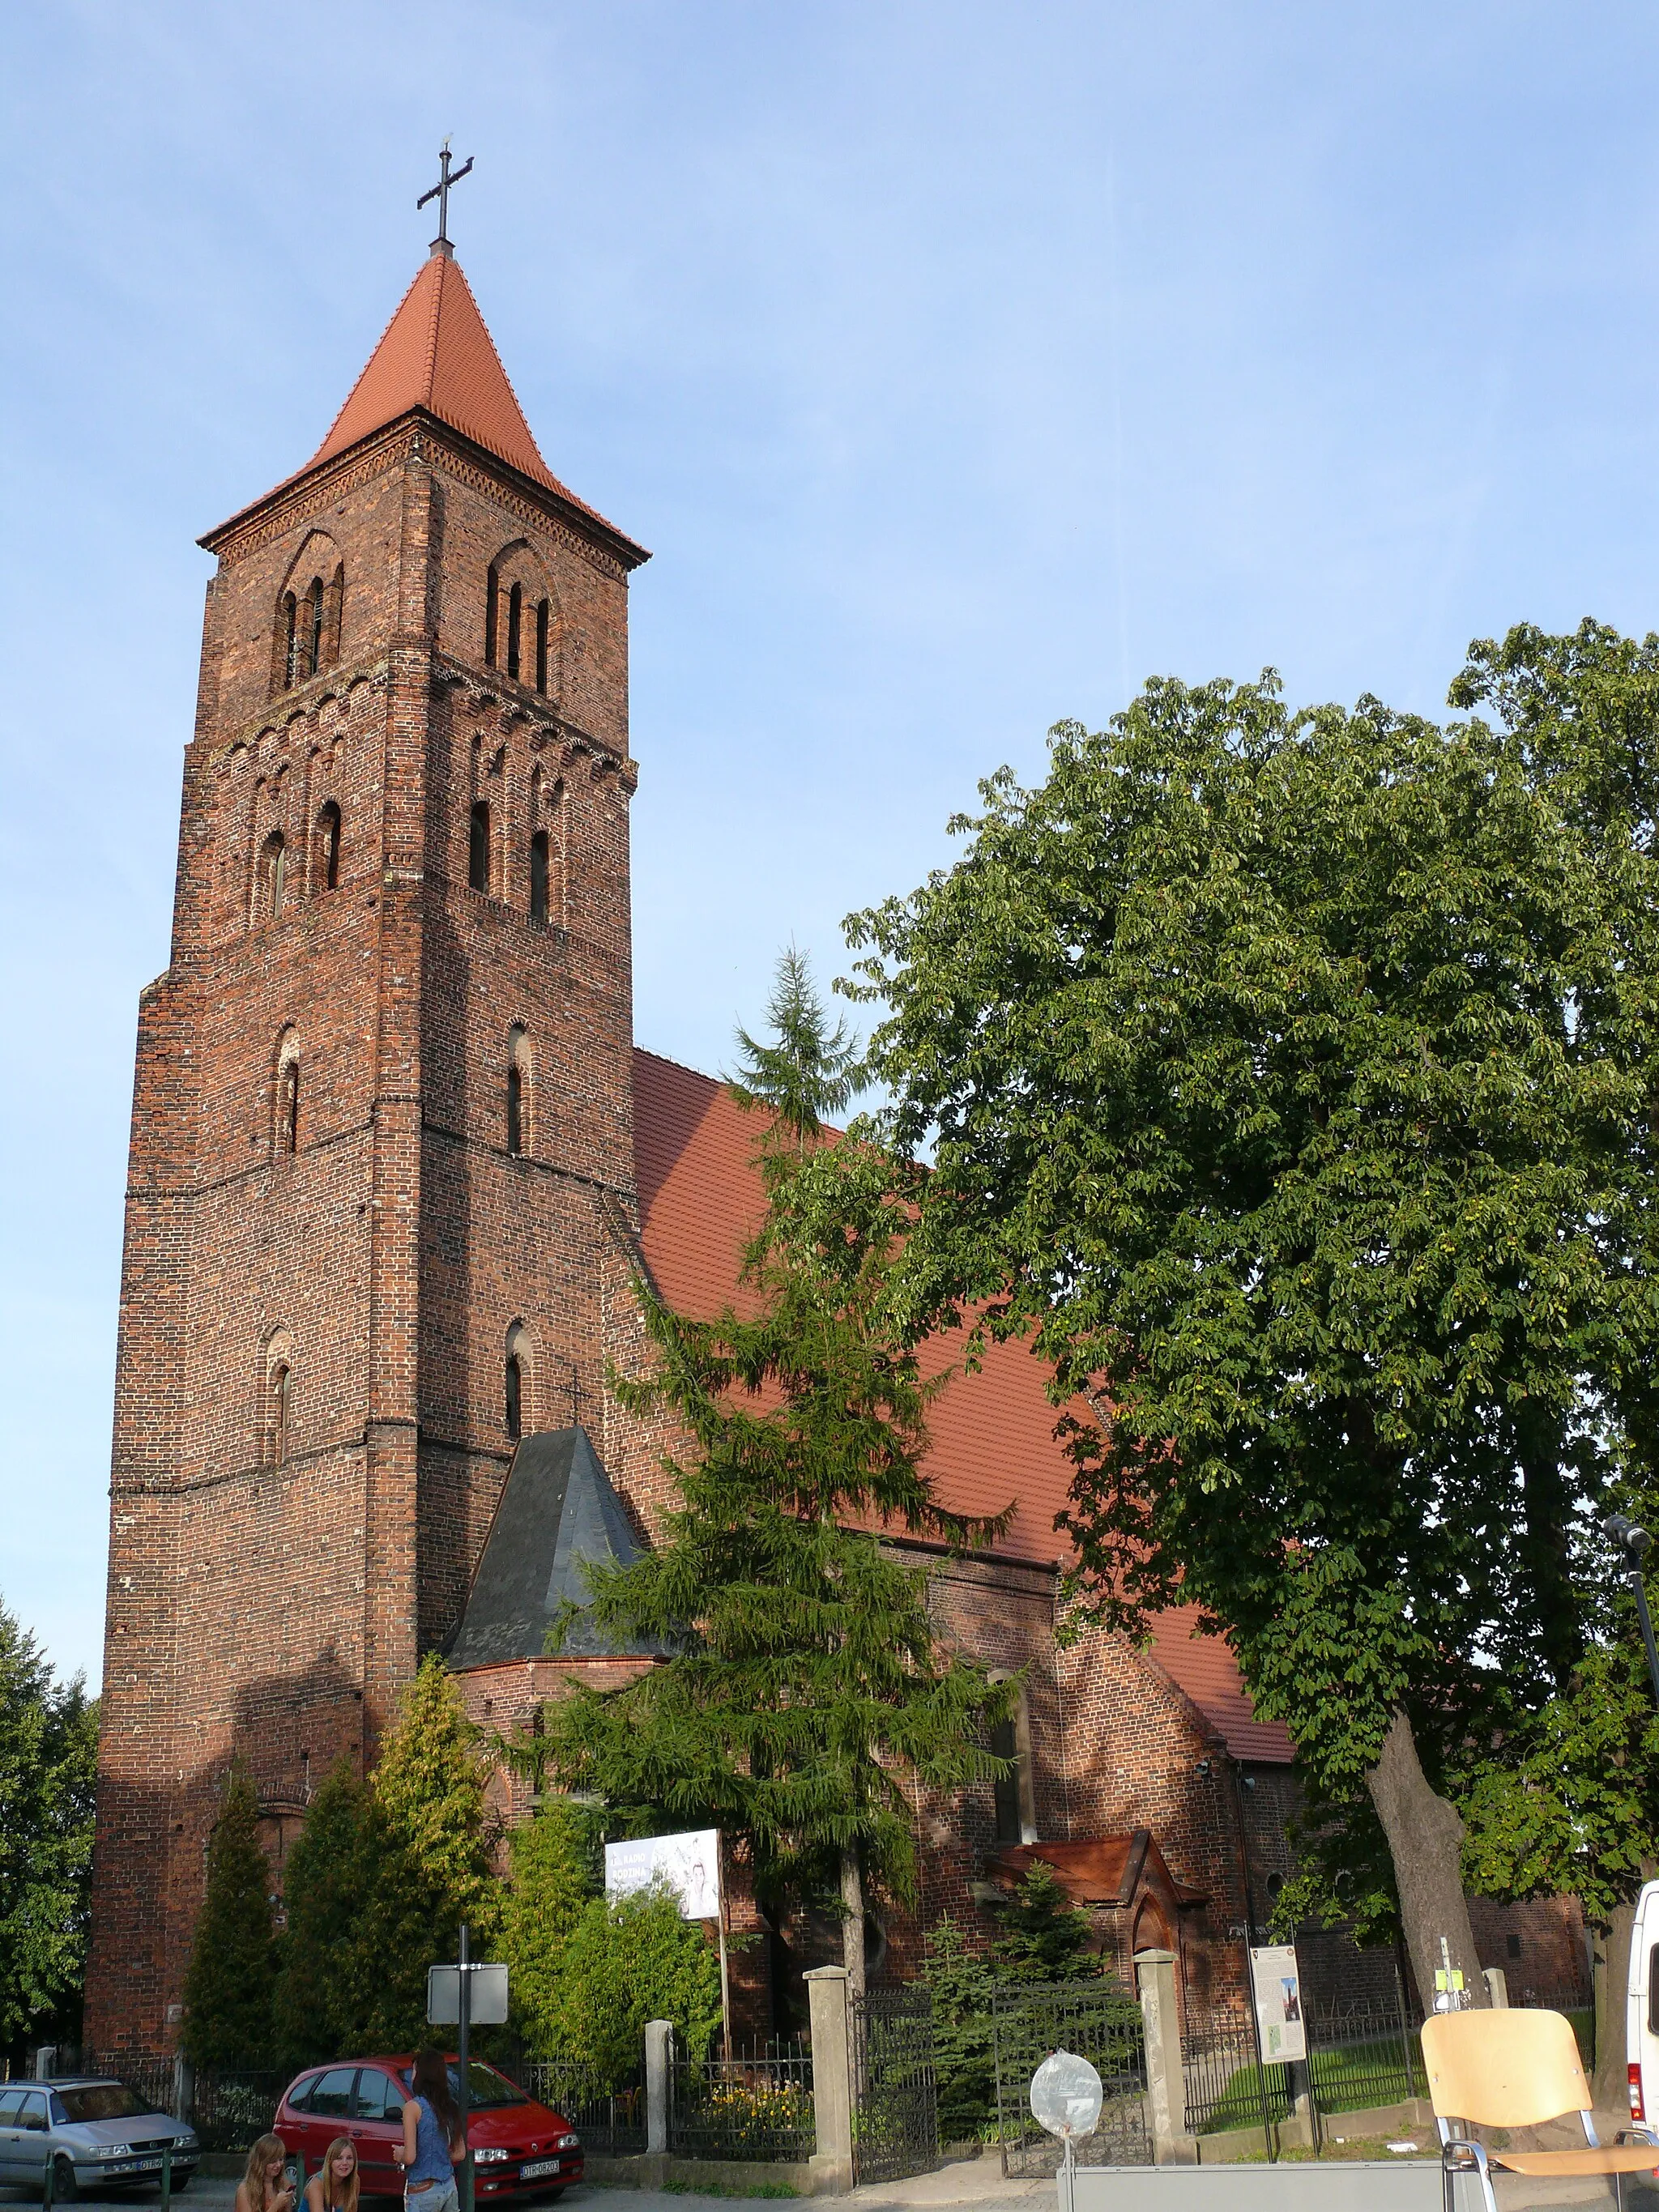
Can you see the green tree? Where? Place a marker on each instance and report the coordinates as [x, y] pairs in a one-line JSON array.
[[1287, 1079], [430, 1841], [628, 1961], [324, 1989], [1042, 1937], [550, 1888], [48, 1765], [803, 1692], [230, 1981], [964, 1985]]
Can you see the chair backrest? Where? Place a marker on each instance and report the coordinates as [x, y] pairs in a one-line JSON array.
[[1503, 2069]]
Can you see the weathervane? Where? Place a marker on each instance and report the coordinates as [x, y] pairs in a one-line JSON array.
[[440, 191]]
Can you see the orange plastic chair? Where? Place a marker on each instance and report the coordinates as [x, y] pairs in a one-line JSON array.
[[1515, 2069]]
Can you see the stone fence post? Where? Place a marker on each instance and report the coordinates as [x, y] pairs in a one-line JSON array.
[[832, 2081], [1166, 2083], [658, 2042], [1498, 1988], [183, 2088]]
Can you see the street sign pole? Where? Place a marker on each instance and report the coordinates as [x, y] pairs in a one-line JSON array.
[[464, 2008]]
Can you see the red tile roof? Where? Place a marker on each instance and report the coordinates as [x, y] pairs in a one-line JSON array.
[[993, 1432], [1095, 1869], [436, 353]]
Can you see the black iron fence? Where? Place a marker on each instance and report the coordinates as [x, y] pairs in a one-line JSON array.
[[755, 2104], [895, 2091], [610, 2119], [1226, 2087], [1101, 2022], [1362, 2052], [230, 2111]]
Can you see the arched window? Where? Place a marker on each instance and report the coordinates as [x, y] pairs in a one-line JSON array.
[[334, 616], [328, 847], [514, 628], [517, 1379], [290, 640], [544, 621], [520, 1069], [492, 593], [273, 874], [1014, 1800], [281, 1392], [288, 1105], [478, 849], [313, 654], [539, 879]]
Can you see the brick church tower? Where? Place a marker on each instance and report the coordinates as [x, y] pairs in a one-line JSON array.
[[382, 1169]]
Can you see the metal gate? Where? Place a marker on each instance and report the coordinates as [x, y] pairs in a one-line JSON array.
[[895, 2107], [1099, 2021]]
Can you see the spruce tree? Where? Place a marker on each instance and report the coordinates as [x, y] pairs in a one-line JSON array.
[[48, 1764], [330, 1885], [804, 1696], [1043, 1936], [228, 1986]]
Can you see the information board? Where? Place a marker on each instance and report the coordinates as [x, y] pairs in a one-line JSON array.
[[1276, 1981]]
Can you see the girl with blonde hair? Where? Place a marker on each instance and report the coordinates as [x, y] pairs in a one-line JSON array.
[[266, 2187], [334, 2186]]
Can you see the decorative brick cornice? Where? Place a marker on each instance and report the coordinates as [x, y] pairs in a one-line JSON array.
[[419, 439]]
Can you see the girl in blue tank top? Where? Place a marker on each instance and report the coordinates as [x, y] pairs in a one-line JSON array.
[[432, 2142]]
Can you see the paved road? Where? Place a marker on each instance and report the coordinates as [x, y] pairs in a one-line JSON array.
[[978, 2185]]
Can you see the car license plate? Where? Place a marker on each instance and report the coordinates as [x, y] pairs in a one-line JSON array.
[[538, 2167]]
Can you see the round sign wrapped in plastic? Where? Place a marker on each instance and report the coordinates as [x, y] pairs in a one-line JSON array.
[[1065, 2096]]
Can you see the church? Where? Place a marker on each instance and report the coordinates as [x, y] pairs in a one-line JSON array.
[[398, 1169]]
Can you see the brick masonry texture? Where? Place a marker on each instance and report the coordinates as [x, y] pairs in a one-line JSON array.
[[310, 1425]]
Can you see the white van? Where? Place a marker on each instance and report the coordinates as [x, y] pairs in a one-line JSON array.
[[1642, 2009]]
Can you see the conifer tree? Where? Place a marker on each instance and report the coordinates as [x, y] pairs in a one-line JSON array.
[[804, 1693], [1043, 1936], [228, 1986], [430, 1839], [550, 1886], [329, 1891], [48, 1763]]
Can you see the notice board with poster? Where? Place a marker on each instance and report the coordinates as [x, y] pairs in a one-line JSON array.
[[1276, 1985], [688, 1864]]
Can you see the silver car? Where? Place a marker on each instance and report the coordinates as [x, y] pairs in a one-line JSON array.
[[99, 2136]]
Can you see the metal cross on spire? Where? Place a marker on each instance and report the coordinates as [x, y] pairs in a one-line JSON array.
[[440, 191]]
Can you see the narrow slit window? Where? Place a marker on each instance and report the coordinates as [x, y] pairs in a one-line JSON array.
[[514, 628], [539, 858], [515, 1111], [514, 1397], [315, 626], [288, 1107], [273, 874], [328, 846], [291, 645], [478, 853], [492, 592], [1005, 1744], [543, 616], [281, 1392]]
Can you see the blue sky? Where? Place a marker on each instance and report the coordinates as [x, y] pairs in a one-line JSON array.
[[963, 365]]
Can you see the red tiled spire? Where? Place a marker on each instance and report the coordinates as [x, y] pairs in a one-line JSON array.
[[437, 353]]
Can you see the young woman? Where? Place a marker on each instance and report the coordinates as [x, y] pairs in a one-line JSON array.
[[266, 2187], [333, 2187], [434, 2144]]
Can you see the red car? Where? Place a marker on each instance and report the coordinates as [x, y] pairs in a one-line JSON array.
[[519, 2148]]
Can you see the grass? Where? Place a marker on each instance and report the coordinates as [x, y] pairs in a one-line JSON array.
[[1346, 2079], [720, 2188]]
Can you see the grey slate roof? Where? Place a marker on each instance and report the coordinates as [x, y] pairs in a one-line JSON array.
[[558, 1509]]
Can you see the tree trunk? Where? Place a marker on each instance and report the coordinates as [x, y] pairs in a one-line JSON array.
[[852, 1937], [1610, 1978], [1426, 1834]]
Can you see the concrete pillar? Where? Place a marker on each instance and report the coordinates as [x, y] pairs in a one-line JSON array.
[[1498, 1988], [1166, 2083], [658, 2039], [183, 2088], [832, 2081]]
